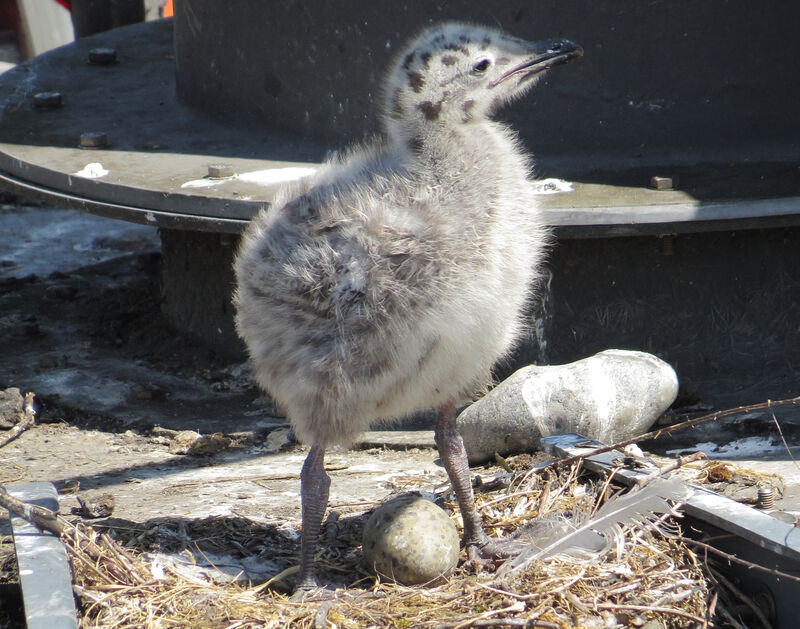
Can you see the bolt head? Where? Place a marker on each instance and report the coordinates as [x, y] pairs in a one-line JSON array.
[[93, 140], [667, 245], [220, 171], [47, 100], [663, 183], [102, 56]]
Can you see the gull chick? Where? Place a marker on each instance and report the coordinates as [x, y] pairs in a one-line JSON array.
[[393, 278]]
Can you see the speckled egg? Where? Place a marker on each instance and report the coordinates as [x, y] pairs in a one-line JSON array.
[[410, 540]]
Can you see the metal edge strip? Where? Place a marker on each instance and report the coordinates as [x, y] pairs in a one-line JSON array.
[[708, 506], [144, 216], [44, 571]]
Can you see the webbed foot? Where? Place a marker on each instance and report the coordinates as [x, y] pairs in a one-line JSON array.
[[313, 593], [493, 551]]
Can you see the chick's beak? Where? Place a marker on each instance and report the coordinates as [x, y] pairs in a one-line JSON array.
[[543, 55]]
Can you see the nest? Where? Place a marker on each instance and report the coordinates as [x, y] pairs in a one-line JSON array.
[[645, 579]]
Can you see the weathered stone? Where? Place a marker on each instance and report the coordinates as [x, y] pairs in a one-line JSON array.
[[611, 396], [61, 292], [193, 443], [160, 431], [410, 540], [147, 392], [100, 506], [11, 403], [277, 439]]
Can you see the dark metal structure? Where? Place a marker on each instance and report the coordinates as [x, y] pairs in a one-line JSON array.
[[699, 265]]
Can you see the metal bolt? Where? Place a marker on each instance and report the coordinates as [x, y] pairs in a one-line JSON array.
[[47, 100], [766, 498], [667, 245], [93, 140], [102, 56], [220, 171], [663, 183]]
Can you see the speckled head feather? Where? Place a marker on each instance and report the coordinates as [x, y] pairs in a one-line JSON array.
[[458, 73]]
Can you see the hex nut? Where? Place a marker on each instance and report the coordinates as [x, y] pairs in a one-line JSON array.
[[102, 56], [663, 183], [220, 171], [93, 140], [47, 100], [667, 244]]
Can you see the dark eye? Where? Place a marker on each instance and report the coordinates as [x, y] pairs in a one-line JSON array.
[[481, 66]]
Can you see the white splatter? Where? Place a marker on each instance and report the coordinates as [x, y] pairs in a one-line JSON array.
[[267, 177], [272, 176], [201, 183], [551, 186], [92, 171], [745, 447]]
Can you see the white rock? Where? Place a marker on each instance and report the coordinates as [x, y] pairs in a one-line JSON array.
[[611, 396]]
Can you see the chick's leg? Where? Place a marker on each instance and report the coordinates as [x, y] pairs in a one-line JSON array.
[[454, 457], [314, 490]]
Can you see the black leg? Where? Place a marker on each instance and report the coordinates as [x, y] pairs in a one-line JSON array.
[[454, 456], [314, 487]]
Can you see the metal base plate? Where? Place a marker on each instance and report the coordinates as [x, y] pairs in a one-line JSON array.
[[154, 169], [156, 144]]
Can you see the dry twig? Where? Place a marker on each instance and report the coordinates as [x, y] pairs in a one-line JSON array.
[[671, 467], [734, 559], [655, 434], [27, 420], [78, 540], [651, 609], [42, 518]]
